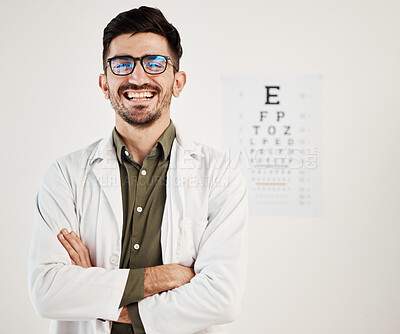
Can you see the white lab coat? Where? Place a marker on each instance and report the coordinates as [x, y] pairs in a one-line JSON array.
[[203, 225]]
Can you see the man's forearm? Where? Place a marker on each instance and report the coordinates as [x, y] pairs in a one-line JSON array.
[[165, 277], [149, 281], [158, 279]]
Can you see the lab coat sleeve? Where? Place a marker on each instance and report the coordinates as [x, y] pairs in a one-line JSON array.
[[214, 296], [58, 289]]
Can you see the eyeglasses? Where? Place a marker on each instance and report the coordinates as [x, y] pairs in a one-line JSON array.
[[152, 64]]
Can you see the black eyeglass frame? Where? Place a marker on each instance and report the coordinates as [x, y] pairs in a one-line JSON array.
[[135, 59]]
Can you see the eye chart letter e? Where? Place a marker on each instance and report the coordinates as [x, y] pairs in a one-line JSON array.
[[272, 128]]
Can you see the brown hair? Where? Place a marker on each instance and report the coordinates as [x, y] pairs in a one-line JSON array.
[[143, 19]]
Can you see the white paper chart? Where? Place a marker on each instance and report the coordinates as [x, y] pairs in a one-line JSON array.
[[272, 127]]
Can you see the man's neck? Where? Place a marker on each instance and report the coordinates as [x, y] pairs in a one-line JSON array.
[[138, 140]]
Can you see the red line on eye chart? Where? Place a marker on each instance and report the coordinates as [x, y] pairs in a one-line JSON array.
[[270, 184]]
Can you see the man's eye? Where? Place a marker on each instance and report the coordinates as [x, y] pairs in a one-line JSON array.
[[126, 65], [154, 65]]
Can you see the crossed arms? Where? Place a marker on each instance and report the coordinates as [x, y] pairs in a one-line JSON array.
[[156, 279]]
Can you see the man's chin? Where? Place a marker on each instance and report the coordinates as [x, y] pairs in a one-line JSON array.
[[138, 107], [141, 122]]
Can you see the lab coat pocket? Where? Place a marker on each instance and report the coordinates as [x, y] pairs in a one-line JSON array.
[[188, 245]]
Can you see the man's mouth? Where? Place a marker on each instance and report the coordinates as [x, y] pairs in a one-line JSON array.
[[138, 96]]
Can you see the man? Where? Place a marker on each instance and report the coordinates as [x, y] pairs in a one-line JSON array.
[[145, 230]]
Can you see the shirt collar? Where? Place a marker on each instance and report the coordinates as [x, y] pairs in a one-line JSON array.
[[165, 142]]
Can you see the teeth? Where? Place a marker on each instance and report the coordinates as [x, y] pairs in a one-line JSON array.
[[141, 95]]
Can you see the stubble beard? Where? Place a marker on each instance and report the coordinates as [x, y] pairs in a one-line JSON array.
[[137, 116]]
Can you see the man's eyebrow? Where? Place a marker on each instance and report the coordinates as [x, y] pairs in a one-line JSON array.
[[121, 55], [125, 55]]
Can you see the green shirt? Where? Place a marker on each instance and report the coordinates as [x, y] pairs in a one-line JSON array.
[[143, 199]]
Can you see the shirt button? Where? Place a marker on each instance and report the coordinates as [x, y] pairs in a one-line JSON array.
[[139, 209], [126, 153], [114, 259], [136, 246], [144, 172]]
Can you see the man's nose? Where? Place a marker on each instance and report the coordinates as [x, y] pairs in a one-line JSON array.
[[138, 74]]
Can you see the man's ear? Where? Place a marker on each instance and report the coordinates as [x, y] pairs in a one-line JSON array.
[[179, 83], [104, 86]]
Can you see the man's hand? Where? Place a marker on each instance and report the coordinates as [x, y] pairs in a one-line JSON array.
[[77, 251], [124, 316]]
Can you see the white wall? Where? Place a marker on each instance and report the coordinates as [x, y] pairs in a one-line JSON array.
[[338, 273]]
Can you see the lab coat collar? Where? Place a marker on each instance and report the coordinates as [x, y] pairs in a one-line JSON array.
[[190, 148]]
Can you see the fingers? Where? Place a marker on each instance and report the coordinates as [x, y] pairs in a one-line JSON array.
[[81, 249], [71, 252], [77, 251]]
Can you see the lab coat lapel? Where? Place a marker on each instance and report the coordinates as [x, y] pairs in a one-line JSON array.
[[107, 173], [184, 159]]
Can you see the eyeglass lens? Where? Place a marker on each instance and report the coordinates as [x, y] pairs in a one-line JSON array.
[[151, 65]]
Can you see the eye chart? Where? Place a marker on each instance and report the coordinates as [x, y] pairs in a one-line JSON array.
[[272, 129]]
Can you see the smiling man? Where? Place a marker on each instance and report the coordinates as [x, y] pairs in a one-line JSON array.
[[143, 231]]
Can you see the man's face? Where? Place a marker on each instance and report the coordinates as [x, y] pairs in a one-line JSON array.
[[139, 98]]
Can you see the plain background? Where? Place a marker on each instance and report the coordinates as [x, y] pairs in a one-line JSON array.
[[337, 273]]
